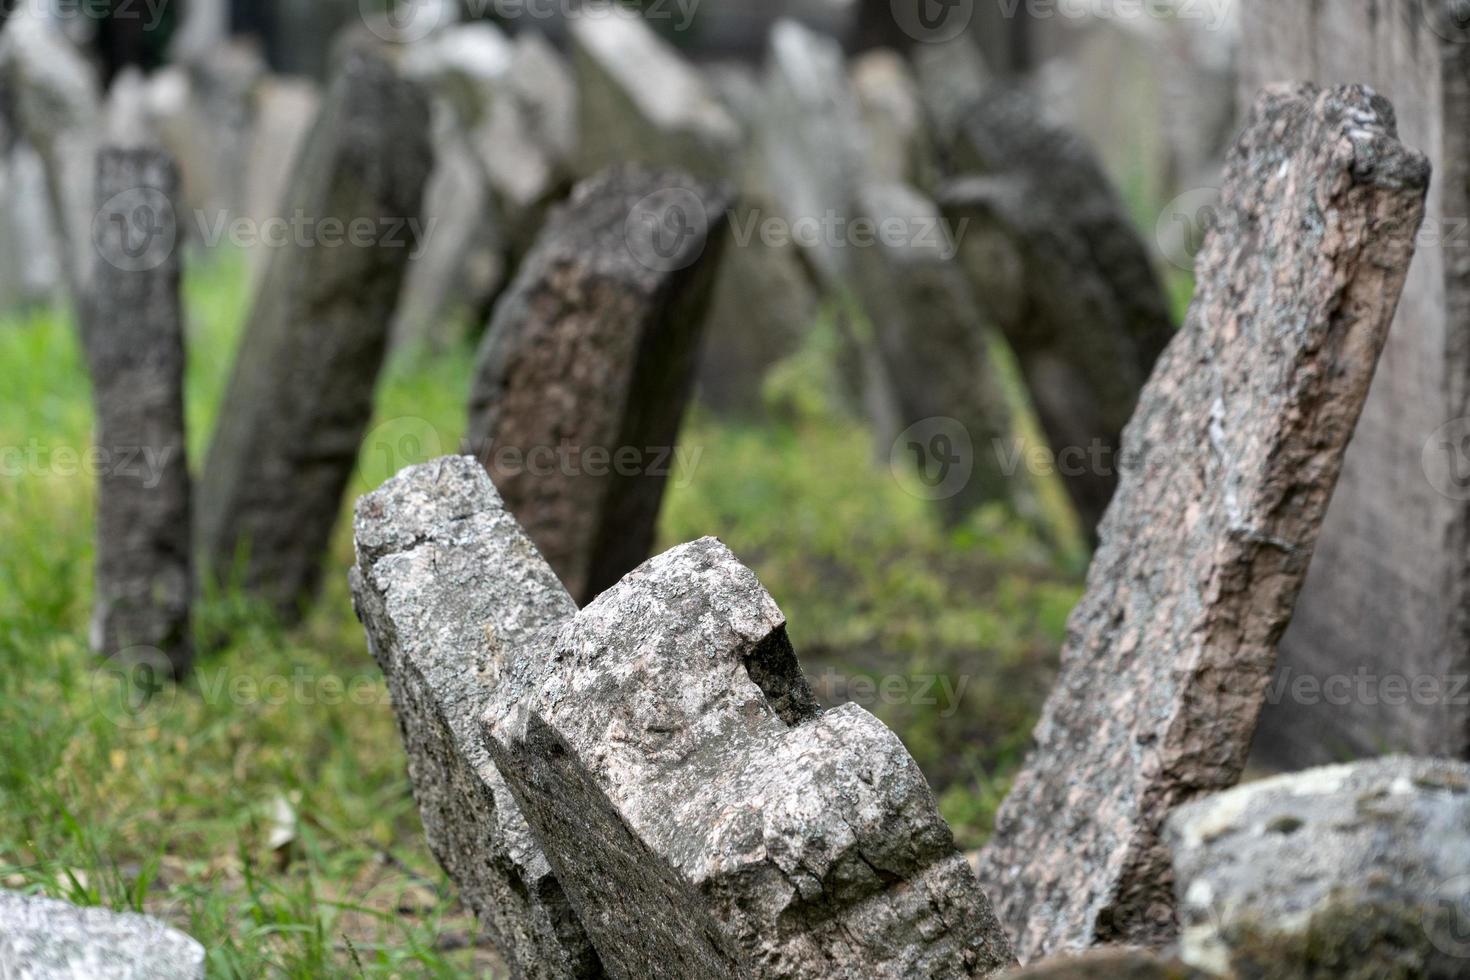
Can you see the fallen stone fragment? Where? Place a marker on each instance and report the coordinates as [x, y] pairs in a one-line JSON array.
[[301, 393], [1387, 601], [706, 818], [47, 939], [1052, 253], [1349, 872], [133, 333], [1231, 460], [1108, 964], [588, 364], [448, 587]]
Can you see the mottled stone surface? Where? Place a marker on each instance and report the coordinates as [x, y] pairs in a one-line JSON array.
[[55, 102], [302, 388], [1388, 597], [888, 96], [47, 939], [1107, 964], [1059, 265], [1352, 872], [639, 100], [133, 333], [585, 372], [448, 587], [1231, 459], [705, 817], [933, 342]]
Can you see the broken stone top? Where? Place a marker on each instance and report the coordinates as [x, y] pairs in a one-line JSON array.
[[47, 939]]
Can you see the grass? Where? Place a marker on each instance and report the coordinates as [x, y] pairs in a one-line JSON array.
[[263, 806]]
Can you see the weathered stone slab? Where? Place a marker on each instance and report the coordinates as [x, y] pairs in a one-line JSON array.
[[888, 96], [301, 392], [53, 95], [47, 939], [706, 817], [448, 587], [1053, 255], [932, 340], [1231, 460], [1387, 600], [638, 100], [1359, 872], [586, 370], [30, 259], [1108, 964], [133, 332]]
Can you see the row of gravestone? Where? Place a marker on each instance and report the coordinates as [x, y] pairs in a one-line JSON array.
[[647, 787]]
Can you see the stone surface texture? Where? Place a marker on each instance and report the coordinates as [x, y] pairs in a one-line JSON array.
[[1349, 872], [1389, 593], [591, 351], [301, 393], [47, 939], [448, 587], [706, 817], [133, 333], [1231, 460], [1108, 964]]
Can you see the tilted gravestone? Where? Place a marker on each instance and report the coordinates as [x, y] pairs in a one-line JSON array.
[[1378, 654], [302, 389], [1231, 459], [56, 103], [1057, 262], [47, 939], [448, 587], [133, 333], [705, 816], [584, 375]]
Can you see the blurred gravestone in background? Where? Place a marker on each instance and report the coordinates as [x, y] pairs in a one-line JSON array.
[[301, 392], [1388, 595]]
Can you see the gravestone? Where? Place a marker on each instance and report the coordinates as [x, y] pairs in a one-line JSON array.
[[638, 100], [56, 105], [133, 333], [585, 372], [1388, 597], [1053, 255], [934, 347], [301, 393], [285, 111], [47, 939], [448, 586], [706, 817], [888, 97], [1345, 871], [1231, 459], [30, 260]]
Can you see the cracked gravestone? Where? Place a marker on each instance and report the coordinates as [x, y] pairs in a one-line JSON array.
[[1388, 598], [301, 393], [1054, 257], [1231, 459], [587, 367], [448, 586], [133, 333], [705, 816], [48, 939]]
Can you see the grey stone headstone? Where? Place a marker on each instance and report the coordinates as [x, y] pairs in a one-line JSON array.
[[30, 259], [1347, 871], [301, 393], [448, 587], [133, 333], [1231, 459], [706, 818], [585, 373], [1388, 595], [888, 96], [47, 939]]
